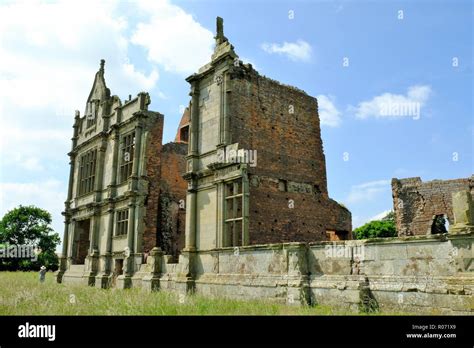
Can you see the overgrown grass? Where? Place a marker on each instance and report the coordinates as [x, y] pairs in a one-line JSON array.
[[21, 293]]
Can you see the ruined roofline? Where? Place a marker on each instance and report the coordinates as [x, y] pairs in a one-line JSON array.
[[249, 69], [99, 79], [223, 43], [122, 105], [418, 180], [102, 93], [299, 90], [174, 145]]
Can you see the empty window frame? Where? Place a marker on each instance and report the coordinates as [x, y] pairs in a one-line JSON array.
[[233, 215], [91, 114], [122, 222], [87, 166], [184, 134], [127, 151]]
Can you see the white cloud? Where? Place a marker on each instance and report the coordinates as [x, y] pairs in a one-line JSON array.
[[379, 216], [246, 60], [49, 54], [389, 105], [296, 51], [33, 149], [147, 82], [48, 60], [367, 191], [173, 38], [328, 112], [358, 221]]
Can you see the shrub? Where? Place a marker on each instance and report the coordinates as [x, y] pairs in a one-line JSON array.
[[376, 229]]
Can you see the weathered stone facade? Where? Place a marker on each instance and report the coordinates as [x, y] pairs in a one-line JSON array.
[[253, 218], [256, 169], [431, 274], [422, 274], [416, 203], [117, 188]]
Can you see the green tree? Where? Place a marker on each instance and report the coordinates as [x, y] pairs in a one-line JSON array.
[[376, 229], [29, 225], [389, 217]]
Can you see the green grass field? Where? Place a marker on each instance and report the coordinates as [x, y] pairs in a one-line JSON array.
[[21, 293]]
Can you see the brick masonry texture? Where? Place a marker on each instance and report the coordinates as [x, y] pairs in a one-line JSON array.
[[416, 203], [171, 212], [288, 189], [183, 123], [294, 229], [153, 172]]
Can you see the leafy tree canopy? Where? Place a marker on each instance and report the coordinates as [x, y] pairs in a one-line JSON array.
[[377, 228], [29, 225]]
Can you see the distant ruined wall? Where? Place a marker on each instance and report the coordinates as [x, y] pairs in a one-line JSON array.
[[416, 203]]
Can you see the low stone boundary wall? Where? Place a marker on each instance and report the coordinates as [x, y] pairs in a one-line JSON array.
[[421, 274], [429, 274]]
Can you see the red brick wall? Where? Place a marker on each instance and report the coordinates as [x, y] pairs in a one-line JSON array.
[[153, 174], [416, 202], [288, 145], [289, 148], [282, 216], [171, 223], [185, 118]]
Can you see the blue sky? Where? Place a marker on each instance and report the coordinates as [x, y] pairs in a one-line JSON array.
[[356, 57]]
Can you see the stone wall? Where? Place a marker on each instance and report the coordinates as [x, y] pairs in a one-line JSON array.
[[424, 274], [152, 179], [417, 203], [153, 175], [171, 222]]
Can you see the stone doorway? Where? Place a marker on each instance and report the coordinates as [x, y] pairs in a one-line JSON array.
[[439, 224], [81, 242], [118, 270]]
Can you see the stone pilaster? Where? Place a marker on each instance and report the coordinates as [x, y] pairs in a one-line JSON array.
[[151, 281], [187, 276], [463, 211], [190, 230], [191, 199], [194, 131], [298, 290], [129, 264], [245, 207]]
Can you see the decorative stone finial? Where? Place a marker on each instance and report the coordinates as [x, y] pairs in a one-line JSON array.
[[102, 63], [220, 38]]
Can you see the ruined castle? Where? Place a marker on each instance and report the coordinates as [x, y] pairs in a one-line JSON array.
[[229, 208]]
